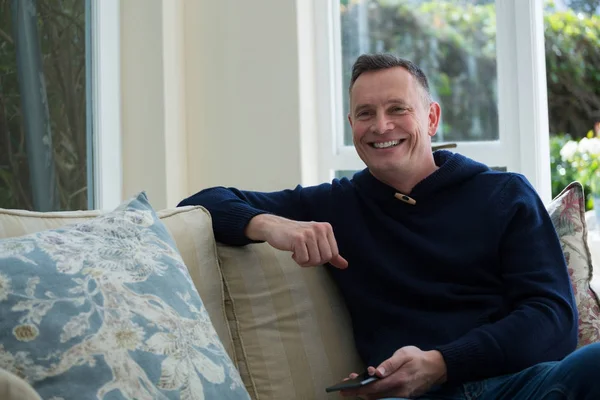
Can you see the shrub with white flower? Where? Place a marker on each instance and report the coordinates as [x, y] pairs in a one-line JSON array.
[[584, 158]]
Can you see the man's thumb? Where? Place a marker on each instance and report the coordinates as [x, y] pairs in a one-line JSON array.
[[383, 369], [339, 262], [389, 366]]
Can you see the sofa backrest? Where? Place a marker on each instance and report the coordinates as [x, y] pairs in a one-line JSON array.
[[285, 327]]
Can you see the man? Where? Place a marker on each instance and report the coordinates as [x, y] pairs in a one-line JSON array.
[[452, 273]]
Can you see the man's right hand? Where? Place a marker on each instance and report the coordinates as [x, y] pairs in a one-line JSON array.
[[311, 243]]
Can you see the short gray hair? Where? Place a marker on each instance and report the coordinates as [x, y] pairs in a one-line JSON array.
[[379, 61]]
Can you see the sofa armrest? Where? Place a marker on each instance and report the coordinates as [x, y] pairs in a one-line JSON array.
[[14, 388]]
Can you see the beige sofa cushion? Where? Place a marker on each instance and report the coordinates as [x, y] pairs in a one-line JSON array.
[[290, 326], [191, 227], [14, 388]]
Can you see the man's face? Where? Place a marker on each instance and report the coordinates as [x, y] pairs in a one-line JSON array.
[[392, 124]]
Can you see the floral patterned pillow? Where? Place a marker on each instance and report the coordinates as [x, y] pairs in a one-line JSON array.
[[567, 211], [106, 309]]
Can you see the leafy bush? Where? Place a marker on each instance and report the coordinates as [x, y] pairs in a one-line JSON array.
[[573, 71], [568, 163]]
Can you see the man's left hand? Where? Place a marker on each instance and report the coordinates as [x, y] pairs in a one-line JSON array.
[[410, 372]]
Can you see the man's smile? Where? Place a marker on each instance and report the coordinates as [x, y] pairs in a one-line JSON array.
[[386, 145]]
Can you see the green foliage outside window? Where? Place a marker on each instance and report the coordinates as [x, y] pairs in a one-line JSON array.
[[455, 42], [61, 28]]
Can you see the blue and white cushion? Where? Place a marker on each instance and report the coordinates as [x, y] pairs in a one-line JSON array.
[[106, 309]]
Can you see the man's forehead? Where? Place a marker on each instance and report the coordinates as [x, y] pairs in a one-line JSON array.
[[377, 100], [383, 83]]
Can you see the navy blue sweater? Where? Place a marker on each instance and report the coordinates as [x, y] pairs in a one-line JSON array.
[[474, 269]]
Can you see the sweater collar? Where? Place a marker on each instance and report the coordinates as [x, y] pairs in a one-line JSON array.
[[452, 168]]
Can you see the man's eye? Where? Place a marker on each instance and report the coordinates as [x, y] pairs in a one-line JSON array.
[[398, 109], [363, 114]]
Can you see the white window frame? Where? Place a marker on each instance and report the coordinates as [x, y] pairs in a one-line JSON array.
[[523, 144], [106, 89]]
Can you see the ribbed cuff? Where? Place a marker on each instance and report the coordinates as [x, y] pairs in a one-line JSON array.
[[232, 226], [464, 360]]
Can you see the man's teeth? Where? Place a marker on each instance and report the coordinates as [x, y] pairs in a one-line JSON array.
[[386, 144]]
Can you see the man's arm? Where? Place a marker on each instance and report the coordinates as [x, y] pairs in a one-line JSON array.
[[278, 218], [543, 323], [232, 209]]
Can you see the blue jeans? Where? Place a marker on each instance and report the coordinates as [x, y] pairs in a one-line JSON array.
[[576, 377]]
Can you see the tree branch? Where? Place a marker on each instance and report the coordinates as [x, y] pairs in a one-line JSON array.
[[6, 37]]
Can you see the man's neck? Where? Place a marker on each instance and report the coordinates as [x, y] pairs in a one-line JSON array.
[[404, 182]]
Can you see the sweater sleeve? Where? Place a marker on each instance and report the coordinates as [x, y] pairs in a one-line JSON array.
[[232, 209], [542, 322]]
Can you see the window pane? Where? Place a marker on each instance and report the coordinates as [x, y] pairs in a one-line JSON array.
[[572, 42], [454, 42], [43, 134]]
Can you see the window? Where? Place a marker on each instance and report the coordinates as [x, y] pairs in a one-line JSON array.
[[485, 63], [453, 42], [49, 101], [572, 37]]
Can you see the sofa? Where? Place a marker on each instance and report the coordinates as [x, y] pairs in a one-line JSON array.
[[284, 328]]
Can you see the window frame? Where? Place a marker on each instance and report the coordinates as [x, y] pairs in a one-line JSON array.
[[523, 144], [106, 104]]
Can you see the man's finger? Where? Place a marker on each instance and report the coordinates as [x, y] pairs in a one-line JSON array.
[[301, 254], [392, 364], [351, 376], [339, 262], [332, 243], [314, 255], [336, 260], [345, 393], [325, 250]]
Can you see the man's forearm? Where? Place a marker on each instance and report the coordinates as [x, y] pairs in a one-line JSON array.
[[259, 226]]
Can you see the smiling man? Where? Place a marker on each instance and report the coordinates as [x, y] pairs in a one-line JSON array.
[[452, 273], [393, 119]]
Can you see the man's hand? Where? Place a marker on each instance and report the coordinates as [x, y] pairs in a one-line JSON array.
[[409, 373], [311, 243]]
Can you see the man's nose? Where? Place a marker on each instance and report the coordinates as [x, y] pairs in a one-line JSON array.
[[382, 125]]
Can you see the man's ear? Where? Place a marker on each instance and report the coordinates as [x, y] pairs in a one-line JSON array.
[[435, 113], [350, 119]]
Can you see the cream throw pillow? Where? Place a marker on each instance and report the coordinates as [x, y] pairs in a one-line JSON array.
[[290, 326]]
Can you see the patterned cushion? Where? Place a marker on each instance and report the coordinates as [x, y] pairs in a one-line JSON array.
[[191, 227], [290, 325], [567, 211], [106, 309]]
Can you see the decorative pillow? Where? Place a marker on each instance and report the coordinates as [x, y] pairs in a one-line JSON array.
[[191, 229], [106, 309], [567, 211], [290, 325]]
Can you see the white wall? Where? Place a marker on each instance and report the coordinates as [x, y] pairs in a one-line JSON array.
[[175, 131], [142, 91], [211, 94], [153, 103], [242, 94]]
